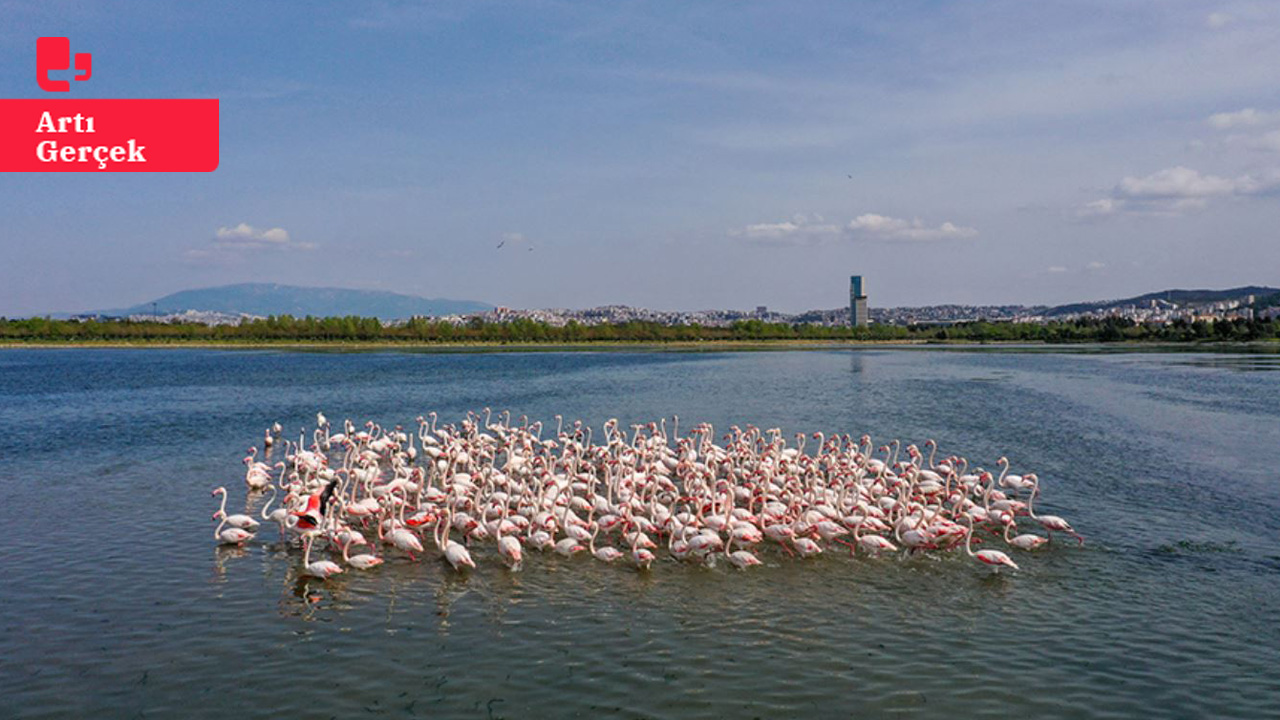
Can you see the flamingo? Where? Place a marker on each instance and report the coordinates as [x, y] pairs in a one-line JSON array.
[[456, 554], [279, 516], [232, 535], [1017, 482], [363, 561], [873, 544], [1025, 541], [400, 536], [1051, 523], [641, 557], [311, 517], [741, 559], [244, 522], [806, 547], [509, 545], [607, 553], [321, 568], [568, 546], [406, 541], [995, 558]]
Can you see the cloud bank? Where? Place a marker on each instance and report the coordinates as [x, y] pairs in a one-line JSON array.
[[1174, 190]]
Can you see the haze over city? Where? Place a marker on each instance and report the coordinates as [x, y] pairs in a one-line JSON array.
[[668, 155]]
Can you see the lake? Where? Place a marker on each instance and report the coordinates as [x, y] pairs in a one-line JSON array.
[[115, 600]]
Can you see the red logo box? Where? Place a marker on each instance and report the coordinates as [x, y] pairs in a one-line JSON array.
[[108, 135]]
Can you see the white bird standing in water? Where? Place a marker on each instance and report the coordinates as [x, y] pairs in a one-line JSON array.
[[320, 568]]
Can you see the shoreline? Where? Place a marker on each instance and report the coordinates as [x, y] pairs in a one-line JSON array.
[[642, 346]]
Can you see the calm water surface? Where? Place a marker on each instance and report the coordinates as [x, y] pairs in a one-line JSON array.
[[114, 600]]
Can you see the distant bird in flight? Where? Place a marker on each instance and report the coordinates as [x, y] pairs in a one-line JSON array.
[[850, 177], [504, 242]]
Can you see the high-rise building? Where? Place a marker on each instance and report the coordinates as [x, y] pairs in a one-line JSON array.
[[858, 315]]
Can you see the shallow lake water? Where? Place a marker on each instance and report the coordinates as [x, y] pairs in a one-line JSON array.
[[115, 600]]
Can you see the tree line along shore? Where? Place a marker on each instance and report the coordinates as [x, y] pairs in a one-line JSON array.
[[312, 330]]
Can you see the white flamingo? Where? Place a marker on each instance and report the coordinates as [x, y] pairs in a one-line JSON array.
[[994, 558], [363, 561], [320, 568], [1051, 523], [244, 522], [232, 535]]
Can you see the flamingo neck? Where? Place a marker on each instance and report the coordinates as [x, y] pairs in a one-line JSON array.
[[267, 506]]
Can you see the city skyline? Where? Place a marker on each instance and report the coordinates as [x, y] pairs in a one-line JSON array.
[[569, 155], [235, 303]]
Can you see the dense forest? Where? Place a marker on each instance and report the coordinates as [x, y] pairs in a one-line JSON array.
[[288, 329]]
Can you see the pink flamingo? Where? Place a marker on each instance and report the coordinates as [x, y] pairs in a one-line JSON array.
[[741, 559], [244, 522], [1025, 541], [995, 558], [457, 555], [873, 544], [232, 535], [1051, 523], [321, 568], [363, 561]]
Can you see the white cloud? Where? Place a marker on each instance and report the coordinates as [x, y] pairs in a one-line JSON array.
[[804, 230], [245, 232], [1175, 190], [1247, 117], [1090, 267], [800, 230], [889, 228], [238, 239], [1219, 20], [1183, 182], [245, 235], [1100, 208]]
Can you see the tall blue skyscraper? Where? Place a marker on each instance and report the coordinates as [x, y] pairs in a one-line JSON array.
[[858, 314]]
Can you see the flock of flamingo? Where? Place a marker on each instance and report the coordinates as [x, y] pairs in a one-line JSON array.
[[503, 489]]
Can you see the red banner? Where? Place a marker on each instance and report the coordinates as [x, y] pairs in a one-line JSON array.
[[108, 135]]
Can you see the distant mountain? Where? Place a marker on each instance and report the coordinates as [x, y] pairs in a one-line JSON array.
[[272, 299], [1181, 297]]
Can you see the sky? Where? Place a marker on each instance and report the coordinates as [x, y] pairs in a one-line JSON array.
[[670, 155]]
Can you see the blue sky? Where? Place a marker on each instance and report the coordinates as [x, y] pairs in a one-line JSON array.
[[668, 154]]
